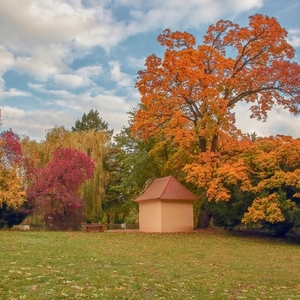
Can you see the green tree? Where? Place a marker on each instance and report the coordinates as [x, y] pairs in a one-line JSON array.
[[130, 166], [92, 120]]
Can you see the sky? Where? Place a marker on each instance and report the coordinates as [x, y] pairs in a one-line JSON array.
[[62, 58]]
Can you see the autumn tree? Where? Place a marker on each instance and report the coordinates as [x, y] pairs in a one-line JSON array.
[[95, 143], [54, 188], [188, 96], [12, 192], [273, 167], [10, 147]]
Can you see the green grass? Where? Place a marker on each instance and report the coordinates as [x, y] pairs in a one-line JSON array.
[[132, 265]]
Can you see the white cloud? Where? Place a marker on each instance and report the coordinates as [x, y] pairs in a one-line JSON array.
[[75, 79], [64, 110], [122, 79], [6, 62], [43, 62], [90, 71], [245, 5], [36, 86], [278, 122], [174, 13], [12, 92], [2, 86], [6, 59], [58, 19], [33, 123], [105, 35], [136, 63], [294, 37], [71, 81], [48, 35], [42, 89], [105, 102], [55, 21]]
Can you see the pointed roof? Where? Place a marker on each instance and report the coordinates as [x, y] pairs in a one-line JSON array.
[[165, 188]]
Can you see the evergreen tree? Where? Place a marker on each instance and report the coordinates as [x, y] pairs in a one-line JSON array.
[[91, 121]]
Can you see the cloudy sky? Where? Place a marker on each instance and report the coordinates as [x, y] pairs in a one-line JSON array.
[[61, 58]]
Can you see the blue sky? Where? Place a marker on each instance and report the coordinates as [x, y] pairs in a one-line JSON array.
[[61, 58]]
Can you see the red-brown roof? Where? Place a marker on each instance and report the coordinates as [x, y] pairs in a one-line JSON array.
[[165, 188]]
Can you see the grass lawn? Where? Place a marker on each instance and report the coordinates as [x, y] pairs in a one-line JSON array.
[[131, 265]]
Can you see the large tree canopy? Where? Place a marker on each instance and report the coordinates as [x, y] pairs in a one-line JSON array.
[[189, 95]]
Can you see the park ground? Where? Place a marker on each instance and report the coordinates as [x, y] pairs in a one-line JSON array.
[[205, 264]]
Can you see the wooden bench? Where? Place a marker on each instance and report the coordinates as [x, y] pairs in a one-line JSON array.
[[94, 227]]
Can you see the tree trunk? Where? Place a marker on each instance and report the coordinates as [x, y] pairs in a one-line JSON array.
[[214, 143], [204, 218], [202, 144]]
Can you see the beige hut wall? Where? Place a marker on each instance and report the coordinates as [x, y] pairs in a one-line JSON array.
[[150, 216], [177, 216], [166, 216]]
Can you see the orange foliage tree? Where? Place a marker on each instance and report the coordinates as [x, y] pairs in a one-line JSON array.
[[273, 167], [188, 96]]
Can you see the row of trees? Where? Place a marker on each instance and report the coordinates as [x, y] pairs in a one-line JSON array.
[[45, 184], [73, 176], [183, 126]]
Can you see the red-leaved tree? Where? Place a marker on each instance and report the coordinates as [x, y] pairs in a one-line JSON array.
[[54, 189], [10, 148]]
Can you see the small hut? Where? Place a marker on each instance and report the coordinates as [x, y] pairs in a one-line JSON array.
[[166, 205]]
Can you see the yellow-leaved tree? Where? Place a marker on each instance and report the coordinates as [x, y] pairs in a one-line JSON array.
[[12, 192], [273, 168]]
